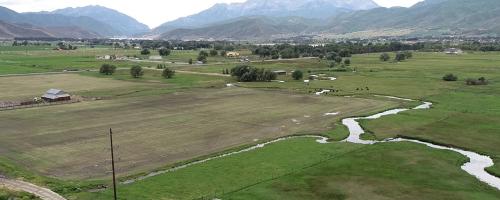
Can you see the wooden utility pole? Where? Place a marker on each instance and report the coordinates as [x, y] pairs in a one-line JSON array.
[[112, 162]]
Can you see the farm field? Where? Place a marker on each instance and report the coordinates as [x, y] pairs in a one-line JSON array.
[[160, 123], [69, 141], [375, 171], [20, 60]]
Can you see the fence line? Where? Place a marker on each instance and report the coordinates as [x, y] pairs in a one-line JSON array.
[[36, 105]]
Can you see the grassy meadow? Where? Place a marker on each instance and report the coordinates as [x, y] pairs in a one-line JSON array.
[[160, 123]]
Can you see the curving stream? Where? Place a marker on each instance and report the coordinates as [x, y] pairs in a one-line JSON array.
[[475, 167]]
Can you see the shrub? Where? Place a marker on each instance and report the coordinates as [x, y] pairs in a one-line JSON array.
[[450, 77], [136, 71], [107, 69], [168, 73], [297, 75], [480, 81], [190, 61]]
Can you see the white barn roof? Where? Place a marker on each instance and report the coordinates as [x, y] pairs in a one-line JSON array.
[[55, 94]]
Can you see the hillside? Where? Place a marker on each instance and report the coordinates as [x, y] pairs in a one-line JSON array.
[[429, 17], [79, 25], [245, 28], [124, 24], [9, 31], [270, 8]]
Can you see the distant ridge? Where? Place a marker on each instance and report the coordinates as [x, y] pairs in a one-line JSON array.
[[122, 23], [428, 18], [269, 8]]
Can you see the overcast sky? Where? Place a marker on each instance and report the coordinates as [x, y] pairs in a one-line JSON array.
[[150, 12]]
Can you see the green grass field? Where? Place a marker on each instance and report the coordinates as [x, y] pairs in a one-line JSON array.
[[160, 123], [13, 195]]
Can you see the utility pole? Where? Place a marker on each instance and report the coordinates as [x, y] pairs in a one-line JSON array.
[[112, 162]]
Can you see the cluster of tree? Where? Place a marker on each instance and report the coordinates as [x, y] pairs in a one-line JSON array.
[[154, 44], [403, 55], [450, 77], [400, 56], [479, 81], [107, 69], [168, 73], [62, 46], [342, 49], [23, 43], [246, 73], [161, 66]]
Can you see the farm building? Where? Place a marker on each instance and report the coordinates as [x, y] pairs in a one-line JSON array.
[[155, 58], [232, 54], [54, 95], [453, 51], [280, 72]]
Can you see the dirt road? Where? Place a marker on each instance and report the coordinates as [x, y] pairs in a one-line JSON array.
[[41, 192]]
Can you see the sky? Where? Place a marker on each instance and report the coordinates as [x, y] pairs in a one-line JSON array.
[[151, 12]]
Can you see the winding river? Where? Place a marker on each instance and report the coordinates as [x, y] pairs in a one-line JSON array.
[[475, 167]]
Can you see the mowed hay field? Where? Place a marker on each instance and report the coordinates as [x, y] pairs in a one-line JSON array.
[[27, 87], [71, 141]]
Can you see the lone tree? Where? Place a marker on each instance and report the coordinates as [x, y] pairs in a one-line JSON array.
[[338, 59], [202, 56], [164, 52], [385, 57], [107, 69], [408, 54], [136, 71], [347, 62], [168, 73], [450, 77], [190, 61], [297, 75], [213, 52], [145, 52], [400, 56]]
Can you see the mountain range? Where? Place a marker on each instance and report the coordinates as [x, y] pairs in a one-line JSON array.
[[318, 9], [430, 17], [122, 24], [267, 19], [82, 22]]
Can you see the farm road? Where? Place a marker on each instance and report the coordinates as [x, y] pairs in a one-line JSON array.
[[41, 192]]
